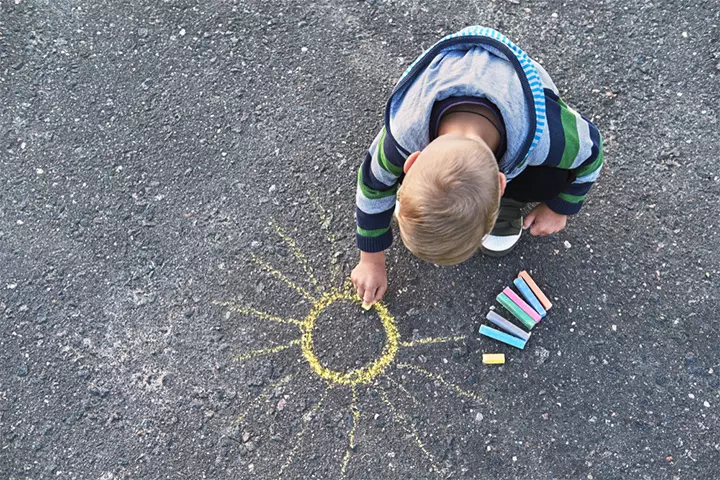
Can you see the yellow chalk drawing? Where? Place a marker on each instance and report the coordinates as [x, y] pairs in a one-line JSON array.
[[265, 351], [263, 395], [368, 375], [257, 313], [355, 411], [324, 218], [440, 379], [400, 387], [361, 375], [302, 260], [426, 341], [306, 419], [280, 276], [406, 425]]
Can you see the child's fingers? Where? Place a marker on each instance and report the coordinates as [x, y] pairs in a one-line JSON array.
[[380, 293], [529, 220], [361, 291], [539, 230], [369, 297]]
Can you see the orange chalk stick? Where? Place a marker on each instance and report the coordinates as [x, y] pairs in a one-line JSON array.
[[536, 290]]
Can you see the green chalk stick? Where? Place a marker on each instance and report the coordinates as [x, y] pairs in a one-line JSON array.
[[517, 312]]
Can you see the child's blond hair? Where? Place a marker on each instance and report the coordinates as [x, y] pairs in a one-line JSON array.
[[449, 200]]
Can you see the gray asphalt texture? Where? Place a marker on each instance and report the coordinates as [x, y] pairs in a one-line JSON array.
[[148, 150]]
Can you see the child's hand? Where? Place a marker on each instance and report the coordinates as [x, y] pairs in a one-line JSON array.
[[370, 277], [543, 221]]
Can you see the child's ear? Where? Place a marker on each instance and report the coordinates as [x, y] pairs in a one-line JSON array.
[[410, 161], [502, 180]]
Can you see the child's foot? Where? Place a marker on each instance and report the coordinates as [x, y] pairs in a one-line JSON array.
[[507, 230]]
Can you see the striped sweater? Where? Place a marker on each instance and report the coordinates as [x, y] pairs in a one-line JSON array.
[[480, 62]]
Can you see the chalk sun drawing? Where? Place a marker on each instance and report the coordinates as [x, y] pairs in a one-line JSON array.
[[365, 376]]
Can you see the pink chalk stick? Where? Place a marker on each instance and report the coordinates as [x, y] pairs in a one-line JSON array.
[[521, 303]]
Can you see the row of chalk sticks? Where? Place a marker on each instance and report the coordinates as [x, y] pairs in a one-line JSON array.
[[529, 315]]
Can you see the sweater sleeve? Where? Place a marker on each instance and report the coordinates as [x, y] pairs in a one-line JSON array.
[[577, 146], [377, 185]]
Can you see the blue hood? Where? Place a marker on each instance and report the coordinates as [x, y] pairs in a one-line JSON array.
[[479, 62]]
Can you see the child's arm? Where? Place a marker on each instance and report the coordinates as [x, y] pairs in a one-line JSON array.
[[376, 188], [586, 173], [576, 145], [582, 153]]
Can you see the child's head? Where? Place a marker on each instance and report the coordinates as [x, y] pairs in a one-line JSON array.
[[449, 199]]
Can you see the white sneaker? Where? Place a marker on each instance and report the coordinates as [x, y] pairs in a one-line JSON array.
[[507, 230]]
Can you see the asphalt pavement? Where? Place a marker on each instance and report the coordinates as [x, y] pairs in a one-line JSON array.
[[176, 230]]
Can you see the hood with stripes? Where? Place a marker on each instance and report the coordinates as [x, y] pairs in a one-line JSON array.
[[477, 62]]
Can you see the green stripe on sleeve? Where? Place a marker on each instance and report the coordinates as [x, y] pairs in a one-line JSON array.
[[588, 169], [572, 198], [572, 140], [372, 233], [372, 194], [384, 162]]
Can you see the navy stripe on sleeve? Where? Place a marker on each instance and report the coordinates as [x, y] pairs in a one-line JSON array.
[[368, 177], [391, 151], [595, 137], [557, 133], [374, 244], [374, 221]]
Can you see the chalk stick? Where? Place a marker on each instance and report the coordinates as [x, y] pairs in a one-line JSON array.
[[502, 337], [493, 358], [516, 311], [366, 306], [536, 290], [509, 327], [525, 291], [521, 303]]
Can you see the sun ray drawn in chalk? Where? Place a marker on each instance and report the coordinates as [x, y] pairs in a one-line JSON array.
[[265, 394], [439, 378], [368, 376], [400, 387], [355, 412], [265, 351], [406, 425], [306, 420], [335, 266], [300, 257], [281, 276], [428, 341], [257, 313]]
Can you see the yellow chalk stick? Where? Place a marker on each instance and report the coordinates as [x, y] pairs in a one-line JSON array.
[[366, 306], [493, 358]]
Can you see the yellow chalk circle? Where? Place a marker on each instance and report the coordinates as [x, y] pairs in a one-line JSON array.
[[361, 375], [493, 358]]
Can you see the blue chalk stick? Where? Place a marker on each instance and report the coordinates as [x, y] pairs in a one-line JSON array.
[[502, 337], [529, 296]]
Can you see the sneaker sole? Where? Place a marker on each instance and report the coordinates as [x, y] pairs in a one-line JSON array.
[[501, 253], [495, 253]]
